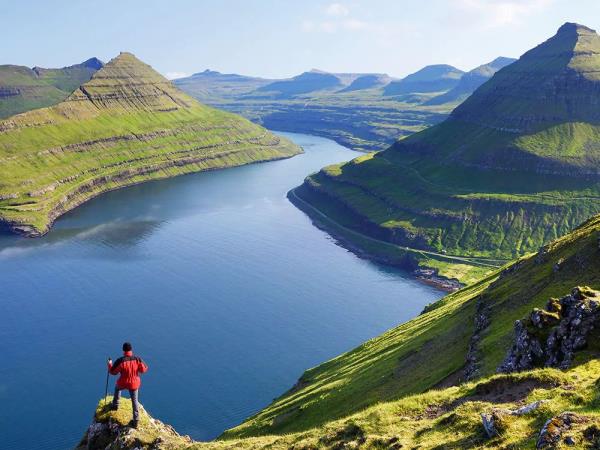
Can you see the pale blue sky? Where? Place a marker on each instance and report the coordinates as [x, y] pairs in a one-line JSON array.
[[282, 38]]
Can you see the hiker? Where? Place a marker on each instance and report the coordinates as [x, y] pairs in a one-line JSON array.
[[129, 367]]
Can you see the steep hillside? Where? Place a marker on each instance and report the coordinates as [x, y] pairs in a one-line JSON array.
[[435, 78], [126, 125], [407, 389], [470, 81], [513, 167], [23, 89]]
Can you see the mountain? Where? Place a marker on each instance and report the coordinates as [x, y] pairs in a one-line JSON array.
[[368, 81], [306, 82], [435, 78], [212, 85], [439, 381], [22, 88], [127, 124], [513, 167], [470, 81]]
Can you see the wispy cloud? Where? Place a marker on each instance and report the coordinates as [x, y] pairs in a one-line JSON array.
[[337, 9], [174, 75], [497, 13], [336, 17]]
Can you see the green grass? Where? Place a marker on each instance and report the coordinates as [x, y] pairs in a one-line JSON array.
[[125, 126]]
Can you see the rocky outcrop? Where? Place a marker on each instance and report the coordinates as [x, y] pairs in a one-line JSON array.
[[482, 321], [551, 336], [560, 430], [494, 422]]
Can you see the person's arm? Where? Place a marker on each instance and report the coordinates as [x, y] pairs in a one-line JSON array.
[[142, 366], [116, 369]]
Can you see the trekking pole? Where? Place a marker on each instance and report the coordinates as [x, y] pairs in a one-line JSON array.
[[106, 389]]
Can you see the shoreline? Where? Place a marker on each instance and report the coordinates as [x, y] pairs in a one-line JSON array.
[[425, 275]]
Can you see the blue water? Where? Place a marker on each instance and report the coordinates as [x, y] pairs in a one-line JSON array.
[[224, 288]]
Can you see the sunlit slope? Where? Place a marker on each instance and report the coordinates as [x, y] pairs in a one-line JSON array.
[[23, 89], [126, 125], [516, 165], [465, 335]]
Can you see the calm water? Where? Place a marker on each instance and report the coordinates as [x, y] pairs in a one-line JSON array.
[[225, 289]]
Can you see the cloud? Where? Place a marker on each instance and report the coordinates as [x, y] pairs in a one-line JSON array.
[[174, 75], [337, 10], [497, 13], [337, 18]]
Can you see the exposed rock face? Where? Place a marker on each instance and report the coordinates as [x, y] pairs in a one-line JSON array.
[[550, 337], [481, 323], [559, 429], [110, 434], [494, 421]]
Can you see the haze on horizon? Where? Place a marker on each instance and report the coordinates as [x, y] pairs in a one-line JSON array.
[[280, 39]]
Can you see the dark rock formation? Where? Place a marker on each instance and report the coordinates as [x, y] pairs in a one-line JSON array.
[[555, 428], [551, 336]]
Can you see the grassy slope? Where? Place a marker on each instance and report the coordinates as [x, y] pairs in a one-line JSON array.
[[423, 352], [360, 119], [126, 125], [514, 166], [23, 89], [390, 389]]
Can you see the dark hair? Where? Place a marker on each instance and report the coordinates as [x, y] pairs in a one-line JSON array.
[[127, 347]]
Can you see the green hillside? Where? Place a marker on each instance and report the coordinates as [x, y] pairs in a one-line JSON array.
[[513, 167], [126, 125], [435, 78], [23, 89], [410, 388]]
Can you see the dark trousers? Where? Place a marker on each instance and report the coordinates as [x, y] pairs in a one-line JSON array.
[[133, 393]]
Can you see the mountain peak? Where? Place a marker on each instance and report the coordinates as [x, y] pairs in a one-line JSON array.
[[575, 28], [93, 63], [126, 82]]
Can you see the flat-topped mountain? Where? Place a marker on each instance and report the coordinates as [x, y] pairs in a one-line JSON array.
[[367, 81], [514, 166], [23, 89], [306, 82], [434, 78], [127, 124], [470, 81]]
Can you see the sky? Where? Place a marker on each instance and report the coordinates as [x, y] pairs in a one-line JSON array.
[[282, 38]]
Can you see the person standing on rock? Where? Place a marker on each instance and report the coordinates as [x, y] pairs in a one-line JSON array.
[[129, 367]]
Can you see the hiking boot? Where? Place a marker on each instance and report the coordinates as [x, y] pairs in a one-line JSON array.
[[133, 424]]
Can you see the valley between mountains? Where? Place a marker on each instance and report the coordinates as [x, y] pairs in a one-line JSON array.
[[490, 179]]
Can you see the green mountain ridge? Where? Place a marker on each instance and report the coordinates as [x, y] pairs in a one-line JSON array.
[[512, 168], [434, 78], [126, 125], [23, 89], [470, 81], [350, 108]]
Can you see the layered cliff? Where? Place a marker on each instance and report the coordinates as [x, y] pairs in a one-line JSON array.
[[126, 125], [513, 167]]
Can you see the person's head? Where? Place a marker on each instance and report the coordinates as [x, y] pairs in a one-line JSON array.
[[127, 347]]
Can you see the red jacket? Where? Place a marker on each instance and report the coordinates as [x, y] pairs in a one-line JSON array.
[[129, 367]]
